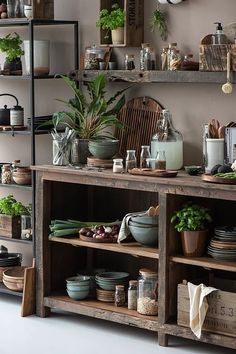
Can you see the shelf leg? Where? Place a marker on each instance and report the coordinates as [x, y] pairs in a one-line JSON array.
[[163, 339]]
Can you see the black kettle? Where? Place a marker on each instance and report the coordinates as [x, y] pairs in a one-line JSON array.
[[5, 112]]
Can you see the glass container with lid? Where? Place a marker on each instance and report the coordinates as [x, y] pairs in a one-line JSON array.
[[168, 139], [93, 55], [131, 161], [147, 292]]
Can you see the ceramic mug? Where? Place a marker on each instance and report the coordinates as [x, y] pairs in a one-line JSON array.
[[28, 11]]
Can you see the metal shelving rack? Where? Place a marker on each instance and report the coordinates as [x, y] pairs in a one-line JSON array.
[[32, 25]]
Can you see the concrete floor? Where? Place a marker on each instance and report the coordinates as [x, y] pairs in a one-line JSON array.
[[64, 333]]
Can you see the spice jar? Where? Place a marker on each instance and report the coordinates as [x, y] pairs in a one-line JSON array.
[[160, 163], [147, 292], [129, 62], [6, 174], [120, 295], [145, 154], [118, 166], [132, 295], [131, 161]]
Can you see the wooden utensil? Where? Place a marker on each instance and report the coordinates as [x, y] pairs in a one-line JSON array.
[[221, 132], [228, 87]]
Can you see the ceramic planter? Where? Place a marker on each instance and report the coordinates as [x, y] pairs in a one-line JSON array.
[[117, 35], [194, 243]]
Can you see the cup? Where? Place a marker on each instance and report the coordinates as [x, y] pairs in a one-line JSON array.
[[214, 153], [28, 11], [112, 65], [102, 65], [10, 8]]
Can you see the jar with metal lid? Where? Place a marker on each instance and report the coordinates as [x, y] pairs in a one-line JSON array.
[[168, 139], [129, 62], [145, 154], [6, 174], [132, 295], [120, 295], [147, 303], [118, 166], [93, 55], [17, 116], [131, 161]]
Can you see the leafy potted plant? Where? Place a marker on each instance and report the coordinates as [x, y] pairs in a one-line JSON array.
[[10, 216], [90, 115], [191, 221], [11, 45], [159, 22], [114, 21]]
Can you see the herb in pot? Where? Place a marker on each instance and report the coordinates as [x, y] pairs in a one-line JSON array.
[[159, 22]]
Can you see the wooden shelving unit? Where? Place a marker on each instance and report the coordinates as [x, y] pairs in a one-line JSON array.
[[124, 193]]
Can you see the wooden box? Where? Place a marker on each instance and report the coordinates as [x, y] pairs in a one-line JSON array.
[[10, 226], [221, 315], [134, 22], [214, 57], [43, 9]]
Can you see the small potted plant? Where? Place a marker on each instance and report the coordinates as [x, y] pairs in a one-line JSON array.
[[114, 21], [191, 221], [11, 45], [10, 216]]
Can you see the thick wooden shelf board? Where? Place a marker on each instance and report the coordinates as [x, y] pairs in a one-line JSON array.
[[206, 262]]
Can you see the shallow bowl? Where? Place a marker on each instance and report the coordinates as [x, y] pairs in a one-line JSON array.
[[145, 236], [77, 287], [78, 294], [103, 149], [145, 219], [79, 280], [193, 170]]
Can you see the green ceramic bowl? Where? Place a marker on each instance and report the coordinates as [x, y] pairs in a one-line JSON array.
[[103, 149], [77, 287], [78, 294], [79, 279], [193, 170], [145, 219], [145, 236]]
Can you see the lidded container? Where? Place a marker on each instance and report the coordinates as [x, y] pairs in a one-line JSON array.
[[93, 55], [131, 161], [132, 295], [168, 139], [120, 295], [145, 154], [118, 166], [147, 303], [6, 174]]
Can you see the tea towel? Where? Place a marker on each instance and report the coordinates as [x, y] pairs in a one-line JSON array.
[[198, 306]]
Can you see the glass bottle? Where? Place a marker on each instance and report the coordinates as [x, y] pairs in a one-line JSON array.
[[142, 55], [118, 166], [160, 163], [168, 139], [147, 58], [145, 154], [120, 295], [129, 62], [171, 48], [153, 59], [147, 292], [6, 174], [132, 295], [164, 59], [175, 60], [131, 161]]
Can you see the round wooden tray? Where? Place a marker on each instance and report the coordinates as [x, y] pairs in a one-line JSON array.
[[212, 179], [97, 240]]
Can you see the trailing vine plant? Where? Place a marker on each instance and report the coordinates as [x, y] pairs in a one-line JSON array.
[[159, 22]]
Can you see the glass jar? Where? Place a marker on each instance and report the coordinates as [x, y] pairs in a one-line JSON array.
[[171, 48], [160, 163], [118, 166], [168, 139], [93, 55], [164, 59], [120, 295], [147, 293], [6, 174], [132, 295], [175, 60], [131, 161], [129, 62], [144, 46], [145, 154]]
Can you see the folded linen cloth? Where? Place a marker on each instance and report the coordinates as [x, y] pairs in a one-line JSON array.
[[198, 306], [124, 228]]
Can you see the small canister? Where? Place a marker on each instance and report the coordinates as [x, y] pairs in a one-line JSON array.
[[147, 292], [17, 116], [6, 174], [132, 295], [118, 166], [120, 295]]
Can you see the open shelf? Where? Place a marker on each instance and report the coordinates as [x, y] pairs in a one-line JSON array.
[[206, 262], [102, 310], [37, 22], [4, 290], [15, 240], [133, 248], [17, 186]]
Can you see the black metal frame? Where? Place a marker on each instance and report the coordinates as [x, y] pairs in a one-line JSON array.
[[32, 24]]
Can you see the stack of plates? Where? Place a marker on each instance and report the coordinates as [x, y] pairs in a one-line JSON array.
[[105, 295], [109, 280], [223, 244]]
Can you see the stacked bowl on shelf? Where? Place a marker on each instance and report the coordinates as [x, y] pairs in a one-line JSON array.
[[13, 278], [144, 229], [78, 287]]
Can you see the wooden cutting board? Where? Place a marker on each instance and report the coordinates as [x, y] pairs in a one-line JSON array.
[[29, 292], [152, 173], [93, 162]]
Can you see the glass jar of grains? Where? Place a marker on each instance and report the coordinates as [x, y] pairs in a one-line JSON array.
[[120, 295], [147, 292], [6, 174]]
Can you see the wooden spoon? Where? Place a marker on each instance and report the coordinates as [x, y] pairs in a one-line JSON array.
[[228, 87], [221, 132]]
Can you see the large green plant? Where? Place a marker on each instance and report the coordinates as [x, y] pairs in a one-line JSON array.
[[11, 45], [113, 19], [10, 206], [192, 217], [90, 114]]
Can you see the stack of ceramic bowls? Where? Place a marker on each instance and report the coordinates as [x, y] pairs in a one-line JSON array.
[[78, 287], [144, 229], [109, 280], [92, 274]]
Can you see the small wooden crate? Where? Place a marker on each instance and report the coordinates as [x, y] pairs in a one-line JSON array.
[[134, 21], [43, 9], [10, 226], [221, 315]]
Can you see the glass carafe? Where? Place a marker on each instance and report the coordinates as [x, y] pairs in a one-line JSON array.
[[168, 139]]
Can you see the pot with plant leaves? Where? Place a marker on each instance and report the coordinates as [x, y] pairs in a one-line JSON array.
[[92, 116], [191, 221], [113, 22], [11, 45]]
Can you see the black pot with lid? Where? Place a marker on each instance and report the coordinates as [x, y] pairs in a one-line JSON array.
[[5, 112]]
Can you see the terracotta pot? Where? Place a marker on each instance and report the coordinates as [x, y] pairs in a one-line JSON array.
[[117, 35], [194, 243]]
